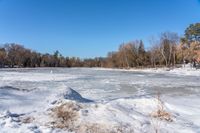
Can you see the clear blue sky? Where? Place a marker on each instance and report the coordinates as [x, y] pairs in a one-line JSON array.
[[89, 28]]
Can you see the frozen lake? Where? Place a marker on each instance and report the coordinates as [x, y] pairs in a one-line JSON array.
[[97, 84], [113, 99]]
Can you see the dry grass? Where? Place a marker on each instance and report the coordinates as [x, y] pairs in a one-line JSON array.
[[65, 115], [163, 115], [27, 119], [159, 114], [102, 128], [91, 128]]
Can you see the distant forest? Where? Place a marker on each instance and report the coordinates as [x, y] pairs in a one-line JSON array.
[[166, 50]]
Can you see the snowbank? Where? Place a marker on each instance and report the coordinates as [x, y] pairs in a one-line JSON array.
[[128, 114], [184, 71]]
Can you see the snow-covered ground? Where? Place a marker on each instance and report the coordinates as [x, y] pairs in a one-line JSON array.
[[99, 100]]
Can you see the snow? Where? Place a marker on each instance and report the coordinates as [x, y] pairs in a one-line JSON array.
[[106, 99], [186, 70]]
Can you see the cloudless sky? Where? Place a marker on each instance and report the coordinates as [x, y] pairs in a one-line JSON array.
[[89, 28]]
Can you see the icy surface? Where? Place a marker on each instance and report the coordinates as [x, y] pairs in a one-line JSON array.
[[108, 97]]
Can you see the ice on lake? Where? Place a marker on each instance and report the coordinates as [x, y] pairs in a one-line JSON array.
[[35, 89], [100, 84]]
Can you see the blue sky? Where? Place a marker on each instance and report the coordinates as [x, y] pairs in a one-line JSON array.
[[89, 28]]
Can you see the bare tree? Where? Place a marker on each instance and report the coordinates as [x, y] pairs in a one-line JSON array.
[[168, 42], [2, 57], [155, 55]]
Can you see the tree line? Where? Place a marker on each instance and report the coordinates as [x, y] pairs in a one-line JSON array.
[[168, 49], [15, 55]]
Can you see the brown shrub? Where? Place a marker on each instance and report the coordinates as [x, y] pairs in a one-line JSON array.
[[160, 112], [163, 115], [65, 115]]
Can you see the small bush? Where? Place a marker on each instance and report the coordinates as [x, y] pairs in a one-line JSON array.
[[160, 112], [65, 115]]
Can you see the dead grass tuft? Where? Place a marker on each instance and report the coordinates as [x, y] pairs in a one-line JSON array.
[[160, 112], [162, 115], [102, 128], [27, 119], [65, 115]]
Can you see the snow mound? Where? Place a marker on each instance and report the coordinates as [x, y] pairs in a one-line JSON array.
[[71, 94]]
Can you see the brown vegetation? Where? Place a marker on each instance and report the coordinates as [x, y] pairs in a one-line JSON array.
[[102, 128], [65, 115], [27, 119], [160, 114]]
